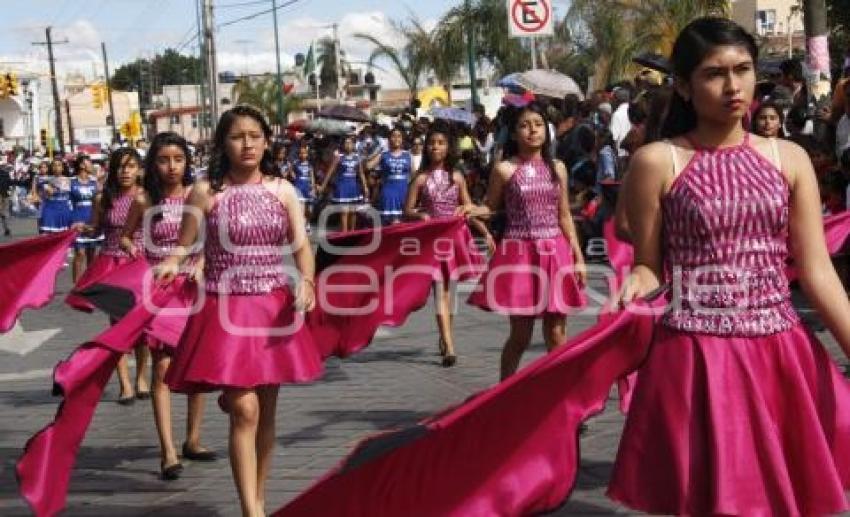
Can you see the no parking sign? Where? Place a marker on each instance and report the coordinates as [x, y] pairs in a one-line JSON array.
[[530, 18]]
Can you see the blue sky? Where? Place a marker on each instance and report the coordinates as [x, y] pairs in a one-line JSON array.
[[133, 28]]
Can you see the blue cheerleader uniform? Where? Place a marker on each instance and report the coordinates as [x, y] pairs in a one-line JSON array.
[[56, 207], [303, 181], [82, 199], [395, 174], [347, 186]]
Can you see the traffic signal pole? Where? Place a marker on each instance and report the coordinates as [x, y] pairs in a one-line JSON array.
[[56, 104], [109, 92]]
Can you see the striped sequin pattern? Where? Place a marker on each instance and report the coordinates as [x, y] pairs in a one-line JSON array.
[[725, 229], [531, 202], [116, 218], [439, 196]]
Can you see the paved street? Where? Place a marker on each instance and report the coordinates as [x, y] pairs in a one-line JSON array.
[[395, 382]]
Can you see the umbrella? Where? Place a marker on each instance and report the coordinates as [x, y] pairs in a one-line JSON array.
[[328, 126], [549, 83], [509, 82], [344, 112], [653, 61], [454, 114], [298, 125]]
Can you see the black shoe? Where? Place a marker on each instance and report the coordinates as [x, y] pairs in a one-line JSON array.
[[127, 401], [172, 472], [198, 455], [143, 395], [8, 232], [449, 361]]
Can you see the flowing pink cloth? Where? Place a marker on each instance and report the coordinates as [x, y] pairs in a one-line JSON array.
[[620, 254], [44, 469], [837, 230], [102, 265], [509, 450], [357, 292], [28, 273]]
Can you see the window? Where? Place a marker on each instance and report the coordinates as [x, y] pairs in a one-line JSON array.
[[766, 22], [92, 134], [194, 120], [175, 119]]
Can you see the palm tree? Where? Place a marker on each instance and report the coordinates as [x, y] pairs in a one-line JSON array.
[[262, 94], [328, 73], [408, 61], [660, 21]]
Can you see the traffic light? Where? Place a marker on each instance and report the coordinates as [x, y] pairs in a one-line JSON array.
[[13, 85], [97, 95], [43, 134]]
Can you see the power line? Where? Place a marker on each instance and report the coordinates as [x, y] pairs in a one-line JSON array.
[[241, 4], [255, 15]]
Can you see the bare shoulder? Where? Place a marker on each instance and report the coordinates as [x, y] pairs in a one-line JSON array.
[[560, 169], [142, 198], [457, 177], [652, 163], [420, 178], [504, 169]]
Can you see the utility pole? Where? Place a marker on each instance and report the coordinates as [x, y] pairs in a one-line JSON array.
[[337, 60], [70, 126], [280, 114], [202, 90], [57, 108], [109, 93], [817, 43], [212, 69], [470, 54]]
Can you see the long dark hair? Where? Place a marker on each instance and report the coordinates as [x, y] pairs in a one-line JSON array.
[[78, 163], [693, 44], [440, 127], [512, 147], [111, 189], [152, 182], [219, 163]]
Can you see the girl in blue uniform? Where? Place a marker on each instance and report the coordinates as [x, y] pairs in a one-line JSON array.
[[83, 190], [55, 192], [303, 177], [348, 193], [396, 166]]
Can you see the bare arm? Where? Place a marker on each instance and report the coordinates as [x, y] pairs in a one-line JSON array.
[[817, 274], [410, 211], [566, 223], [302, 253], [466, 201], [361, 172], [644, 186], [331, 172]]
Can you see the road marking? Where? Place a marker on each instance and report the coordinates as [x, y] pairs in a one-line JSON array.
[[22, 342]]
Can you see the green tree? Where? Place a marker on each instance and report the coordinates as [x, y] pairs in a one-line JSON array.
[[328, 74], [148, 76], [410, 60], [262, 94], [838, 18]]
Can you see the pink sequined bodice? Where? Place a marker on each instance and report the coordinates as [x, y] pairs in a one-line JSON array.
[[531, 202], [725, 223], [164, 230], [245, 234], [113, 225], [440, 196]]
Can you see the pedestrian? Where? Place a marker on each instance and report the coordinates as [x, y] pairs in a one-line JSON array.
[[166, 188], [84, 188], [246, 339], [709, 430], [55, 195], [109, 216], [395, 166], [768, 120], [537, 270], [350, 187], [441, 191], [303, 177], [5, 193]]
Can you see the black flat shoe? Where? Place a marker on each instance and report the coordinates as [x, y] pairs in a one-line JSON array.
[[127, 401], [143, 395], [198, 455], [449, 361], [172, 472]]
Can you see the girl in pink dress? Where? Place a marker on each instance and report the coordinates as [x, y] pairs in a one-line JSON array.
[[738, 409], [247, 339], [166, 187], [441, 191], [537, 270], [109, 216]]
